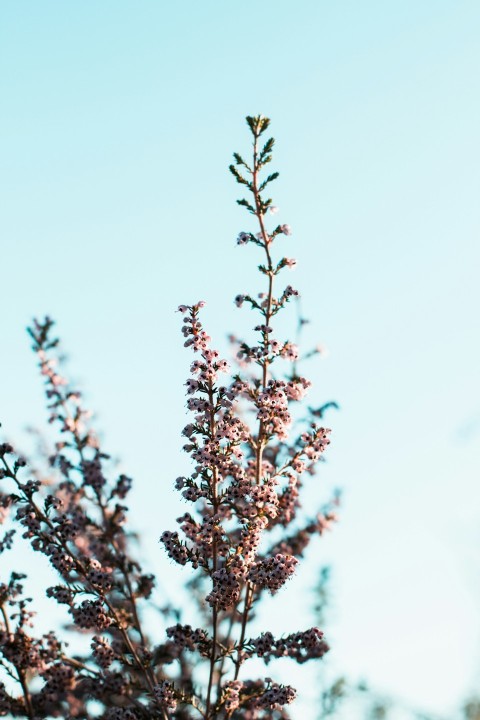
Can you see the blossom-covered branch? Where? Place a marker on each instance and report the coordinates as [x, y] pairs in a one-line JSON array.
[[247, 471], [242, 535]]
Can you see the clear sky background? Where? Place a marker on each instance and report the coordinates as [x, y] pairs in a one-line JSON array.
[[117, 124]]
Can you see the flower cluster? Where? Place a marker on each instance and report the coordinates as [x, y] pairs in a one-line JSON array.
[[273, 572], [255, 698], [301, 646]]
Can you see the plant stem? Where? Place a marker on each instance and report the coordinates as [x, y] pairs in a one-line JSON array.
[[268, 310], [261, 441], [246, 609], [213, 656]]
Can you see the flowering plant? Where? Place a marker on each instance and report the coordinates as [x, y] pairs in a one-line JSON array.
[[243, 536]]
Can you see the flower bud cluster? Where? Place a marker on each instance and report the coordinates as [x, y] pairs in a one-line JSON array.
[[277, 695], [164, 694], [102, 652], [231, 695], [59, 678], [273, 411], [99, 577], [192, 329], [175, 549], [61, 593], [300, 646], [273, 572], [91, 614], [92, 474], [184, 637], [226, 589], [255, 697]]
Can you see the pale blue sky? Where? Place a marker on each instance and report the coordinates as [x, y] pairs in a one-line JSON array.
[[117, 124]]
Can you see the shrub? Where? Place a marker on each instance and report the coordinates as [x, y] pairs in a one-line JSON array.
[[243, 536]]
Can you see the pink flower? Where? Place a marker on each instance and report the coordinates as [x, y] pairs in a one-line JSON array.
[[289, 352]]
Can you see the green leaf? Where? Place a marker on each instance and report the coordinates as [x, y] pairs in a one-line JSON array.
[[252, 123], [239, 160], [269, 179], [267, 148], [239, 178], [246, 204]]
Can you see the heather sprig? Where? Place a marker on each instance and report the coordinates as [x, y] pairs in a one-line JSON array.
[[78, 522], [247, 474]]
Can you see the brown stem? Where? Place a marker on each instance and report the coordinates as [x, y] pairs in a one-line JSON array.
[[246, 609], [268, 310], [261, 441], [228, 645], [130, 646], [79, 665], [213, 656]]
